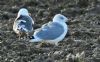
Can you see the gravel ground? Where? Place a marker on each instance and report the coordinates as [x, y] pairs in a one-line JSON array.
[[82, 44]]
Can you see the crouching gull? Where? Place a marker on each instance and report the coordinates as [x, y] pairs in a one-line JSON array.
[[52, 32], [23, 24]]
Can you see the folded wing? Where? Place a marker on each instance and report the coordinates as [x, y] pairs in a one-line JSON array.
[[50, 31]]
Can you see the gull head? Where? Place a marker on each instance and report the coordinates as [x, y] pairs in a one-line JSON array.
[[60, 18], [23, 11]]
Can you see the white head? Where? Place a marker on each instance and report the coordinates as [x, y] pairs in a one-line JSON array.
[[60, 18], [23, 11]]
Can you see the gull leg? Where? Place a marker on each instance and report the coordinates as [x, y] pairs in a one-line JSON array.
[[19, 37]]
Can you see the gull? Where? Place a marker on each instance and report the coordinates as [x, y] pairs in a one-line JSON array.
[[23, 24], [51, 32]]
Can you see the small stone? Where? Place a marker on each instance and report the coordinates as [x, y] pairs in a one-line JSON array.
[[58, 52], [70, 58]]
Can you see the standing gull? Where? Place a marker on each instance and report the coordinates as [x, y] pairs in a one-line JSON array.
[[52, 32], [23, 24]]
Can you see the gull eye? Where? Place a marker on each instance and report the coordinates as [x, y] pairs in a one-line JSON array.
[[22, 22], [62, 18]]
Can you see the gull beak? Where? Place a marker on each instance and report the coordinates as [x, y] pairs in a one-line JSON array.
[[68, 23], [67, 20], [29, 14]]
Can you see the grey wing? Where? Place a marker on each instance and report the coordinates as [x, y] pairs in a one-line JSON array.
[[47, 25], [29, 24], [50, 32], [31, 20], [26, 21]]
